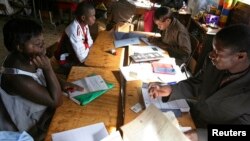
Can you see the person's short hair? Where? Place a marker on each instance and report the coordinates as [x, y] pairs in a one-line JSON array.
[[83, 8], [235, 37], [18, 31], [163, 13]]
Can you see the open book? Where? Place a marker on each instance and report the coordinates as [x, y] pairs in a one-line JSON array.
[[94, 86]]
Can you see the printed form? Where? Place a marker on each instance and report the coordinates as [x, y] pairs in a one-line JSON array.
[[90, 84]]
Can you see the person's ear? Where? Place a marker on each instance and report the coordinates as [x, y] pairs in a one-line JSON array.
[[83, 18], [242, 56], [20, 49], [168, 20]]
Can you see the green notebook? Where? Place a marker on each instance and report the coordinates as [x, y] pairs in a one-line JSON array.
[[84, 99]]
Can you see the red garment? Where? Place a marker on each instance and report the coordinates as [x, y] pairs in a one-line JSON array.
[[149, 20], [85, 42], [67, 5]]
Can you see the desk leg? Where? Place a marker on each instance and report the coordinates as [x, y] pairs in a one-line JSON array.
[[121, 104]]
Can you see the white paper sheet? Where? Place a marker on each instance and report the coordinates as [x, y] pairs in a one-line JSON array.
[[94, 132], [133, 72]]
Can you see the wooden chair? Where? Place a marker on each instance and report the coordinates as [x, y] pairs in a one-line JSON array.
[[46, 16], [192, 62], [189, 67]]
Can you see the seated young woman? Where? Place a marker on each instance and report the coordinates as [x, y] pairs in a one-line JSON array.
[[30, 91]]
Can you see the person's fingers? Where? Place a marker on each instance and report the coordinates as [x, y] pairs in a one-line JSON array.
[[153, 92], [152, 84], [34, 61]]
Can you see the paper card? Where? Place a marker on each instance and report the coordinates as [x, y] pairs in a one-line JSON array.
[[136, 108]]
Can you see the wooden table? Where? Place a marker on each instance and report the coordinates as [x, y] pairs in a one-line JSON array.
[[133, 96], [103, 109], [113, 107], [100, 54]]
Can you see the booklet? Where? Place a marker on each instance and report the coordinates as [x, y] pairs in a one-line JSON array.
[[163, 68], [149, 56], [94, 86]]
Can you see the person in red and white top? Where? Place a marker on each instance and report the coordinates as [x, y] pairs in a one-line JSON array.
[[76, 41]]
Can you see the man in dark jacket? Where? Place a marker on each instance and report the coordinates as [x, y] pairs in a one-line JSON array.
[[220, 94]]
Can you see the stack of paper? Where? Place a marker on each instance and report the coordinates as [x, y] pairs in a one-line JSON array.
[[152, 125]]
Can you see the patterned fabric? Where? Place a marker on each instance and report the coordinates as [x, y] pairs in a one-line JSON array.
[[225, 7]]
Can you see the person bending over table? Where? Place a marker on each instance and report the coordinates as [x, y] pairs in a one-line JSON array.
[[174, 35], [220, 93]]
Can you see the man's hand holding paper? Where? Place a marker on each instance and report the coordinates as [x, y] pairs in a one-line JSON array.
[[156, 89]]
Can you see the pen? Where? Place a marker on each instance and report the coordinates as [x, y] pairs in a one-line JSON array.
[[169, 83], [172, 83]]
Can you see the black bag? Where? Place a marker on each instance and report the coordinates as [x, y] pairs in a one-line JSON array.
[[177, 4]]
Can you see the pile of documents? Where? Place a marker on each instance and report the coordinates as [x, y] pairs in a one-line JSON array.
[[150, 125]]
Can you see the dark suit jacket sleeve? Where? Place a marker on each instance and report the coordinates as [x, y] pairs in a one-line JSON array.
[[189, 88]]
